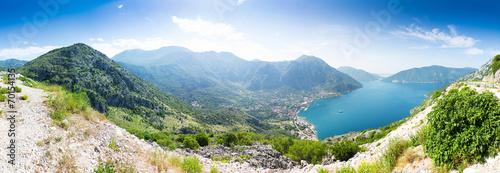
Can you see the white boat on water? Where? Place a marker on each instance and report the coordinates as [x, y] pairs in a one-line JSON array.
[[341, 111]]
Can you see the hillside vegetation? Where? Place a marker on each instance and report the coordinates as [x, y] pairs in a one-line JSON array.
[[431, 74], [126, 99]]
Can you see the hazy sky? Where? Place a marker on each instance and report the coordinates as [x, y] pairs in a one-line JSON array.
[[383, 36]]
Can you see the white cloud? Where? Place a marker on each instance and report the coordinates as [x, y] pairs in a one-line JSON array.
[[474, 51], [100, 39], [116, 46], [27, 53], [240, 2], [208, 29], [435, 35], [120, 6]]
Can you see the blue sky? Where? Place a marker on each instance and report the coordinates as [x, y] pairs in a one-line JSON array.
[[383, 36]]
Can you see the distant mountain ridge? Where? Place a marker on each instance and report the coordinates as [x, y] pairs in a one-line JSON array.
[[218, 79], [429, 74], [358, 74], [15, 63]]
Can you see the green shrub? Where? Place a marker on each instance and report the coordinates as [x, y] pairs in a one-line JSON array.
[[190, 143], [3, 97], [496, 64], [112, 144], [191, 165], [108, 167], [436, 94], [322, 170], [281, 144], [243, 138], [344, 150], [18, 89], [228, 138], [394, 149], [202, 139], [25, 97], [346, 169], [464, 128], [311, 151], [213, 169]]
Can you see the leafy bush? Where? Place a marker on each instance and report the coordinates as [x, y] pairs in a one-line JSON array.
[[3, 97], [393, 151], [496, 64], [344, 150], [108, 167], [281, 144], [436, 94], [228, 138], [112, 144], [191, 164], [25, 97], [243, 138], [190, 143], [322, 170], [18, 89], [464, 128], [311, 151], [213, 169], [202, 139]]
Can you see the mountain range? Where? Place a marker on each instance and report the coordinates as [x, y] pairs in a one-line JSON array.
[[216, 79], [358, 74], [127, 99], [430, 74]]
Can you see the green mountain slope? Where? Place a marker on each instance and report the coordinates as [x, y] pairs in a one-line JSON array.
[[358, 74], [430, 74], [216, 80], [484, 71]]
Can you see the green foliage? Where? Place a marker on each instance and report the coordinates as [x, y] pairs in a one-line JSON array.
[[322, 170], [4, 90], [436, 74], [228, 138], [65, 103], [244, 156], [190, 143], [496, 64], [243, 138], [112, 144], [107, 167], [464, 128], [346, 169], [18, 89], [344, 150], [191, 165], [311, 151], [213, 169], [282, 144], [3, 97], [25, 97], [393, 151], [202, 139], [436, 94]]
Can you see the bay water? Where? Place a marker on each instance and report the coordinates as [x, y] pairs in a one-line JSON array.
[[375, 105]]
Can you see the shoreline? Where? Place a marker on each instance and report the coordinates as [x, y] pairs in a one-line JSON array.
[[311, 133]]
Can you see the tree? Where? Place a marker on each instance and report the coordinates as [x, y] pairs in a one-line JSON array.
[[190, 143], [243, 138], [202, 139]]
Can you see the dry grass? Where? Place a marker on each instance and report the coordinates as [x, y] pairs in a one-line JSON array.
[[161, 162], [409, 156], [66, 163]]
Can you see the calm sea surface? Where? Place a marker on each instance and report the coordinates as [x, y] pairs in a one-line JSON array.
[[375, 105]]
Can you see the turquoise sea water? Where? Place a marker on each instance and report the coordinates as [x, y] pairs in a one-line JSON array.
[[375, 105]]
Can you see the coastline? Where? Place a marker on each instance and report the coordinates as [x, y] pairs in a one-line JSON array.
[[310, 132]]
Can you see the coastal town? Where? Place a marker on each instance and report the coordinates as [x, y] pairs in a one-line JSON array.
[[287, 107]]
